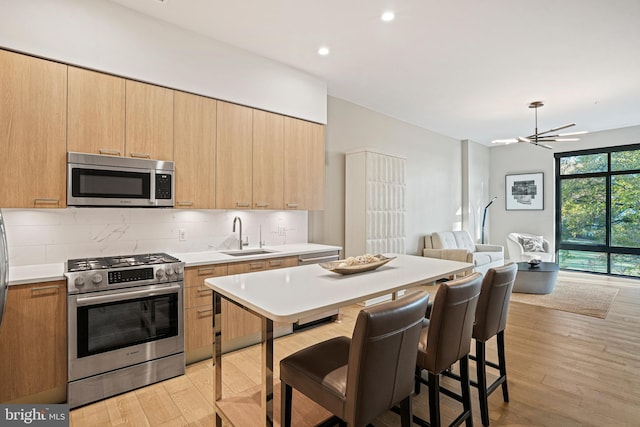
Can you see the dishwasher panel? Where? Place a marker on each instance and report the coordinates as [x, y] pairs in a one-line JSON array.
[[317, 258]]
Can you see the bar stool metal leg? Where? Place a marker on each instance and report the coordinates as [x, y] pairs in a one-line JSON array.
[[481, 370], [503, 366]]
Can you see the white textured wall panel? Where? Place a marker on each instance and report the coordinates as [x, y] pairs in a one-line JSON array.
[[381, 178]]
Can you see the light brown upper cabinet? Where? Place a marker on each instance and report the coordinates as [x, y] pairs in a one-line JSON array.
[[234, 156], [194, 151], [95, 112], [268, 160], [33, 132], [149, 121], [303, 165]]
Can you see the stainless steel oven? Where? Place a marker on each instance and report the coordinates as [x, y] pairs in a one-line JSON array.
[[125, 324]]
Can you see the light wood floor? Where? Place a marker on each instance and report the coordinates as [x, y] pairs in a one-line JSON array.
[[564, 370]]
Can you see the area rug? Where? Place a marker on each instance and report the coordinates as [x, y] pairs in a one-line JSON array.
[[581, 298]]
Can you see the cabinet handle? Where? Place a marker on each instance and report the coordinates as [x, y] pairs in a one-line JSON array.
[[243, 205], [207, 270], [261, 205], [327, 258], [203, 290], [185, 203], [45, 288], [203, 311], [140, 155], [109, 152], [275, 263], [292, 205], [256, 266], [47, 201]]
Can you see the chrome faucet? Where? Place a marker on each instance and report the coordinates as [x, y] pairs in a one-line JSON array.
[[240, 229]]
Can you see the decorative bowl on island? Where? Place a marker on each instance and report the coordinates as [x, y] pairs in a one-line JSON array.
[[356, 264]]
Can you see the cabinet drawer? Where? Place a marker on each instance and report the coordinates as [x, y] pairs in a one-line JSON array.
[[247, 266], [198, 327], [272, 264], [196, 296], [194, 276]]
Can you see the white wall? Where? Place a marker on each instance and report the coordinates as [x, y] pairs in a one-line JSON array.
[[525, 158], [41, 236], [105, 36], [433, 172]]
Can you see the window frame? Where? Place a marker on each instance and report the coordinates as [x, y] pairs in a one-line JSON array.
[[608, 174]]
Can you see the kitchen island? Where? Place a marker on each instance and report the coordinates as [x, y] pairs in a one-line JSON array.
[[290, 294]]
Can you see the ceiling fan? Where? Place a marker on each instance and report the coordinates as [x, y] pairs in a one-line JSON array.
[[541, 138]]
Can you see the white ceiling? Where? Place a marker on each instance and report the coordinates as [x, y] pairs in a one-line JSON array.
[[463, 68]]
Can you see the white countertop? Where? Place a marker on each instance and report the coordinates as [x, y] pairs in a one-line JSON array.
[[192, 259], [290, 294], [25, 274]]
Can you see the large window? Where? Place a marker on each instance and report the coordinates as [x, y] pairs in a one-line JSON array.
[[598, 210]]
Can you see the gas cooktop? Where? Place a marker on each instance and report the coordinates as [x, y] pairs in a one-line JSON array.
[[84, 264]]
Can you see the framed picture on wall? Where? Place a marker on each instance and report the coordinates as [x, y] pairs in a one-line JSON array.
[[524, 192]]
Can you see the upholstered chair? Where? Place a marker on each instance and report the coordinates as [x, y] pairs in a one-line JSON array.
[[361, 377], [446, 340], [524, 247]]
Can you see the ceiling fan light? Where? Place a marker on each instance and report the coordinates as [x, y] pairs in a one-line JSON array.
[[540, 138], [573, 133]]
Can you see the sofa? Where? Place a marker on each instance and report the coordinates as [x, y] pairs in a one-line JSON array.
[[458, 246], [523, 247]]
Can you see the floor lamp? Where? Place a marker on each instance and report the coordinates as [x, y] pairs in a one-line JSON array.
[[484, 217]]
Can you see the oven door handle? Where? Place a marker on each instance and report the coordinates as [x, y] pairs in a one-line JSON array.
[[123, 296]]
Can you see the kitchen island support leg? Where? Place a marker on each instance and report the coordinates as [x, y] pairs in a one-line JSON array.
[[267, 371], [217, 354]]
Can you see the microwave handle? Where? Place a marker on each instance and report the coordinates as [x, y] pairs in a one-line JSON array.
[[126, 295], [152, 198]]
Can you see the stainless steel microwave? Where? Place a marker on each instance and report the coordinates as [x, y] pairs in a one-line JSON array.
[[97, 180]]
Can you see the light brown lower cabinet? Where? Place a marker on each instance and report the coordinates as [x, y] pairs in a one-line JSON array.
[[241, 322], [238, 326], [198, 311], [33, 344], [198, 320]]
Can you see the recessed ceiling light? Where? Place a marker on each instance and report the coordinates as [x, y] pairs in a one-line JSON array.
[[388, 16], [324, 51]]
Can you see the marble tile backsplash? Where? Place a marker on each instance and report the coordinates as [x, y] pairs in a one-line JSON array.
[[42, 236]]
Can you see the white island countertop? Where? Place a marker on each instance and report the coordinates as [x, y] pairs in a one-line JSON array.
[[290, 294]]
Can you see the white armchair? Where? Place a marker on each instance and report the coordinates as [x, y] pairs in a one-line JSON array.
[[458, 246], [524, 247]]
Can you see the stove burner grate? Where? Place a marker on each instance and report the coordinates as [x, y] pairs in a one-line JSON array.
[[86, 264]]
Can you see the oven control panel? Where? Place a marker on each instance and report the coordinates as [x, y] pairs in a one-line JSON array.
[[133, 275], [99, 280]]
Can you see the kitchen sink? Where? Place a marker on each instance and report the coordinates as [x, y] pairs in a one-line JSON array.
[[247, 252]]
